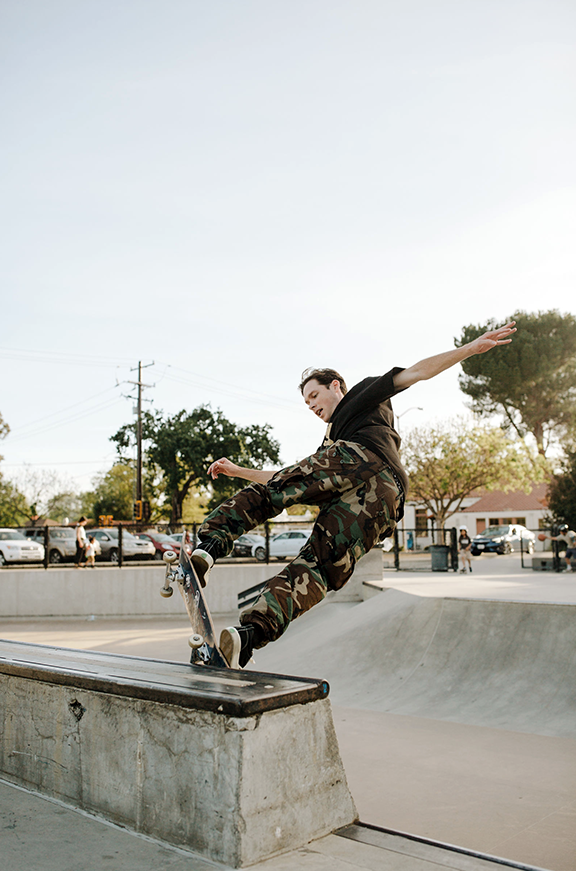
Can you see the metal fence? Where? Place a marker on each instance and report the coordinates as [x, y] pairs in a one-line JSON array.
[[417, 550], [116, 543], [407, 550], [410, 550]]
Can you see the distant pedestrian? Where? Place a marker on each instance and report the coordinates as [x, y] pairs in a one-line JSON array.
[[465, 548], [91, 552], [81, 542]]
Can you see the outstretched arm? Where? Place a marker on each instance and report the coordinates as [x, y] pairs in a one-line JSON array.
[[227, 467], [432, 366]]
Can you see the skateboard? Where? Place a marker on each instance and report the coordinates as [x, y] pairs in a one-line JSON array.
[[179, 570]]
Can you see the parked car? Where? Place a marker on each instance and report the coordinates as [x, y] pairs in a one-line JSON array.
[[250, 544], [132, 547], [288, 543], [161, 542], [61, 542], [16, 548], [503, 539]]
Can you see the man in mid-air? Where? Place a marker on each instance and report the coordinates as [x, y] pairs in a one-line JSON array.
[[355, 478]]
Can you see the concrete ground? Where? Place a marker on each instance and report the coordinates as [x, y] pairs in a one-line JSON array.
[[509, 793], [40, 834]]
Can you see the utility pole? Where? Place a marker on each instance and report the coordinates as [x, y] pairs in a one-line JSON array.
[[139, 437], [139, 513]]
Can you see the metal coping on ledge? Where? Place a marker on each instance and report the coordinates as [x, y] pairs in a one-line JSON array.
[[235, 693]]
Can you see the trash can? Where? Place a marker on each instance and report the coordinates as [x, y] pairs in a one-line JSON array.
[[439, 557]]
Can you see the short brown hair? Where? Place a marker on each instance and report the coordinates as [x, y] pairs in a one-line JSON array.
[[322, 376]]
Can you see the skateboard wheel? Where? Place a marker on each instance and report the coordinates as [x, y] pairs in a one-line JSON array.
[[166, 592], [195, 641], [170, 557]]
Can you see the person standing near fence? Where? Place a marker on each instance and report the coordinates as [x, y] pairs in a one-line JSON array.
[[81, 542], [355, 477]]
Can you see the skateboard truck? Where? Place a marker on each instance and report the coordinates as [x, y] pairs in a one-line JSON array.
[[170, 557]]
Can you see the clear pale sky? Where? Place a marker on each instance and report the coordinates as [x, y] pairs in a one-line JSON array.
[[239, 189]]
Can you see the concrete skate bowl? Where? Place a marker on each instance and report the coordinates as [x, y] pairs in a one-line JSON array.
[[505, 665]]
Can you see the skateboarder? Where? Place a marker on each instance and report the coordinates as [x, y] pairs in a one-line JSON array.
[[355, 477]]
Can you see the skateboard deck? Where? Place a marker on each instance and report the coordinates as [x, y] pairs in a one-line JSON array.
[[179, 570]]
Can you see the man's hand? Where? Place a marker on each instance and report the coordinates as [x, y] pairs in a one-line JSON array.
[[224, 467], [490, 339], [432, 366]]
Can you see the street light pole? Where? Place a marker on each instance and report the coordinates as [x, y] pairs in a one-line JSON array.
[[398, 416]]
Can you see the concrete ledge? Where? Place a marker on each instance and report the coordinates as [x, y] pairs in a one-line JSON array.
[[94, 731]]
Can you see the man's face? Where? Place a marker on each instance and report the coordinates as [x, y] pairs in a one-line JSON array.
[[322, 399]]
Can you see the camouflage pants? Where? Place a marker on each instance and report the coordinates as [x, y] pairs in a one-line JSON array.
[[358, 500]]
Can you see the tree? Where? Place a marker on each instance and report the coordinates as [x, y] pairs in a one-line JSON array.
[[65, 505], [531, 382], [4, 430], [47, 494], [562, 492], [113, 493], [447, 462], [14, 507], [183, 445]]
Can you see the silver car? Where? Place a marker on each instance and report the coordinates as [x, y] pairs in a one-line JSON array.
[[61, 542], [132, 547]]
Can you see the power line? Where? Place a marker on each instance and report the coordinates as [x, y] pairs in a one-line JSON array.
[[61, 358], [57, 463], [226, 388], [194, 379], [67, 408], [72, 419]]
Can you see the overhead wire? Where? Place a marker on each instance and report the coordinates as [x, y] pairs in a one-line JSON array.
[[72, 419], [65, 409], [224, 387], [61, 358]]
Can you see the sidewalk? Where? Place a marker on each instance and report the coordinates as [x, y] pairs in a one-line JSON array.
[[492, 577]]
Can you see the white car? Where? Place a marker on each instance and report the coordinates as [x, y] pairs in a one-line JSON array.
[[288, 543], [16, 548], [250, 545]]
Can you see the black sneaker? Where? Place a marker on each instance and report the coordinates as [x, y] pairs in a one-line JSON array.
[[236, 645], [203, 558]]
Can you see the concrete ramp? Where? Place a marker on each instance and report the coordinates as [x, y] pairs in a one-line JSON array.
[[236, 766], [489, 663]]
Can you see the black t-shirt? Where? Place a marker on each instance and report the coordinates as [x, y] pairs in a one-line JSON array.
[[365, 416]]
